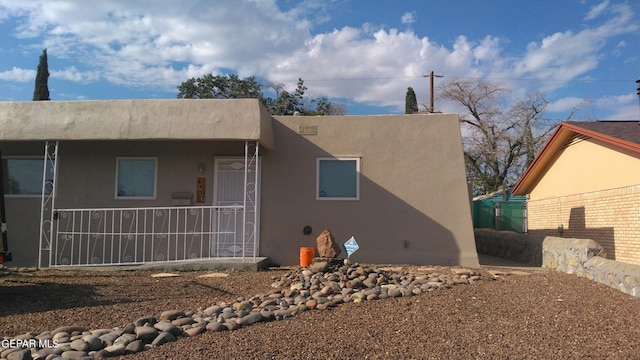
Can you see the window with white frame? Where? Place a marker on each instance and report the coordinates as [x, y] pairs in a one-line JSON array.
[[24, 176], [338, 178], [136, 177]]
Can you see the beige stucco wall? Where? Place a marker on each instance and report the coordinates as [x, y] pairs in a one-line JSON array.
[[86, 179], [585, 166], [414, 203], [188, 119], [413, 189]]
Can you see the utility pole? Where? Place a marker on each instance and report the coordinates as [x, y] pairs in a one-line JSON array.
[[431, 76], [638, 91]]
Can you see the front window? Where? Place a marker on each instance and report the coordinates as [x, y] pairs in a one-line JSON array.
[[136, 177], [24, 176], [338, 179]]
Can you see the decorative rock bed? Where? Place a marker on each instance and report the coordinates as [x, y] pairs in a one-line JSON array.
[[323, 285]]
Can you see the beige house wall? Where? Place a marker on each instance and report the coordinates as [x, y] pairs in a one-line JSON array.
[[187, 119], [413, 208], [586, 166], [414, 203], [610, 217], [86, 179], [591, 190]]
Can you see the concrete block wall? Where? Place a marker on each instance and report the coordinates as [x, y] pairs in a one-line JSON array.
[[610, 217], [582, 257]]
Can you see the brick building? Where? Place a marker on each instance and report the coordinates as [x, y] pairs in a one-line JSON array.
[[585, 183]]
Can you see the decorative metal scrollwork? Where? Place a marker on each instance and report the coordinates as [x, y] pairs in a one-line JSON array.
[[252, 149], [251, 187]]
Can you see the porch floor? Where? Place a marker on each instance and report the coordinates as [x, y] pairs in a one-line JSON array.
[[248, 264]]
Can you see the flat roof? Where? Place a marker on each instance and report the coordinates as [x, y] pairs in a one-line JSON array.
[[161, 119]]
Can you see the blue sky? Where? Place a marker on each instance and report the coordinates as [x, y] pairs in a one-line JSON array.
[[363, 53]]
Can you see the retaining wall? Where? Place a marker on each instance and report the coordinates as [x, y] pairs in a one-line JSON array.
[[582, 257]]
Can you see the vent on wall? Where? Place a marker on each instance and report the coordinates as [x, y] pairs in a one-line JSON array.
[[308, 129]]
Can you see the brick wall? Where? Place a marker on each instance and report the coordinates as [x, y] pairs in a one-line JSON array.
[[610, 217]]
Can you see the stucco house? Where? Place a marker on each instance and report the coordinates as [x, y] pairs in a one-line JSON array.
[[585, 183], [140, 181]]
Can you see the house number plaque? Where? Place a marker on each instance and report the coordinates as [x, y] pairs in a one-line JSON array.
[[200, 191]]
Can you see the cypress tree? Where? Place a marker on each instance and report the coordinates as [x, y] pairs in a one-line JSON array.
[[410, 104], [41, 91]]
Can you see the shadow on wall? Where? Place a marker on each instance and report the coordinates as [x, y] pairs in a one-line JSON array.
[[577, 229], [387, 228]]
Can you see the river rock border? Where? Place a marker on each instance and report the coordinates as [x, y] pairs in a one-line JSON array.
[[323, 285]]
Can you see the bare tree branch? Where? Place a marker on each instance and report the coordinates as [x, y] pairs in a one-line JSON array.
[[500, 140]]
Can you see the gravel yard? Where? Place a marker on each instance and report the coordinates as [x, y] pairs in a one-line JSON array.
[[531, 314]]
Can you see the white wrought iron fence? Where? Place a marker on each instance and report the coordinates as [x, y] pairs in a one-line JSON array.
[[119, 236]]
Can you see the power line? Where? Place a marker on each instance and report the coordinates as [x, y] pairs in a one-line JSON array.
[[465, 77], [361, 78]]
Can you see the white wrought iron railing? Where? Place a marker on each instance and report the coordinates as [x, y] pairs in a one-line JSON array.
[[122, 236]]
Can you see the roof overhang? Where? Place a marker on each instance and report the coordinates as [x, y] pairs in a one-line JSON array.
[[563, 133], [166, 119]]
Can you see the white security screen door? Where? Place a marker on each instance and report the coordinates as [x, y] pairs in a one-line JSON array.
[[236, 188]]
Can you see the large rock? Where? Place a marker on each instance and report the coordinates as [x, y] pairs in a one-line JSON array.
[[69, 329], [326, 245], [146, 333]]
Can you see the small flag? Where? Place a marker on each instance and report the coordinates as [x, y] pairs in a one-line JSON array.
[[351, 246]]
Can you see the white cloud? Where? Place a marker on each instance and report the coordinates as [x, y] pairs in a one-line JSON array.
[[620, 107], [140, 43], [628, 112], [596, 10], [565, 104], [563, 56], [72, 74], [120, 36], [616, 100], [408, 18], [19, 75]]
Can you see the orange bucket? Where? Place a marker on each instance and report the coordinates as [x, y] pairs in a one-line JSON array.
[[306, 255]]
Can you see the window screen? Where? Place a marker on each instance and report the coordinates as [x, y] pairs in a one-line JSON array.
[[24, 176], [136, 177], [337, 179]]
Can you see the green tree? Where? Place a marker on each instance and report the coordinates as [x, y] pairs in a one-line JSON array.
[[410, 102], [325, 107], [220, 87], [232, 87], [286, 103], [41, 91]]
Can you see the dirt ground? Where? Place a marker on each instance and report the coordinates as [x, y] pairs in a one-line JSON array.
[[537, 314]]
